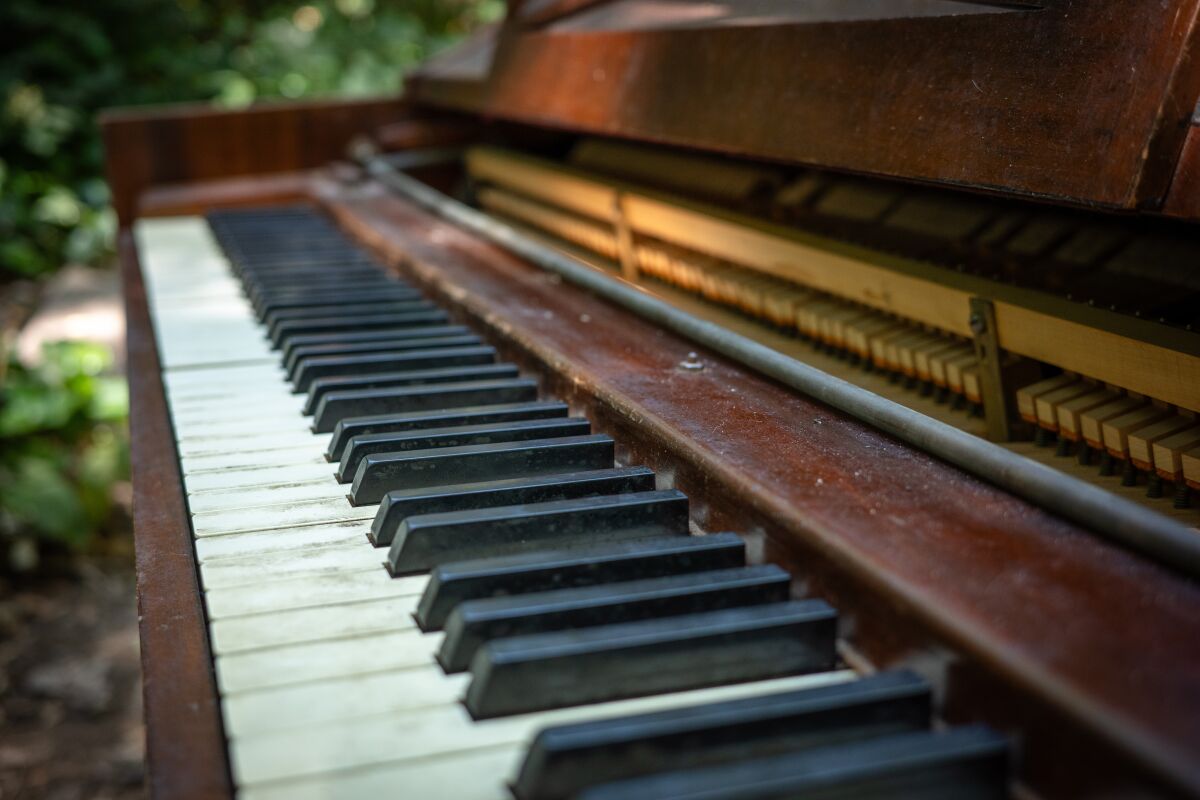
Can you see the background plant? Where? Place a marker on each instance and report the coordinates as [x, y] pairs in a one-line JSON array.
[[67, 59]]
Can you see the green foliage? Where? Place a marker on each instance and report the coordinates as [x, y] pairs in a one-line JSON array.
[[65, 60], [62, 445]]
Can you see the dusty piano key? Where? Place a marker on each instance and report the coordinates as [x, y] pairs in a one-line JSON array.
[[399, 504], [350, 427], [564, 760], [286, 330], [379, 474], [364, 307], [580, 565], [476, 622], [278, 319], [261, 290], [390, 361], [367, 444], [336, 406], [567, 668], [263, 298], [961, 763], [476, 368], [315, 353], [330, 342], [373, 295], [424, 541]]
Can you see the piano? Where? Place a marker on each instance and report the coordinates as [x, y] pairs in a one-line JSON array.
[[670, 399]]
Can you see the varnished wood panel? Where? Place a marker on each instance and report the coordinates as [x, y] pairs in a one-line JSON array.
[[150, 147], [1084, 102]]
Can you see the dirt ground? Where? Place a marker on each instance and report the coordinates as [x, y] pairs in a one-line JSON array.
[[70, 686], [70, 675]]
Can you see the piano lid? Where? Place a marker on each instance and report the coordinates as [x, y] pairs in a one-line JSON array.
[[1085, 103]]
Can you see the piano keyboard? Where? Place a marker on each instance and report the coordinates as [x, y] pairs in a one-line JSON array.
[[424, 578]]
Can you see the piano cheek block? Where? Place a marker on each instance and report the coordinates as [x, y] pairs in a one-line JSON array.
[[428, 540], [554, 670], [566, 759], [379, 474]]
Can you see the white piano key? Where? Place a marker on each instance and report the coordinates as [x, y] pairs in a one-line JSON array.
[[240, 427], [185, 380], [323, 623], [283, 457], [248, 497], [323, 590], [433, 732], [284, 515], [236, 545], [313, 661], [253, 443], [249, 570], [294, 707], [472, 775], [225, 409], [275, 475]]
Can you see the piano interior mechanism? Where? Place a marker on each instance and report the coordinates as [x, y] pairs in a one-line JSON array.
[[666, 399]]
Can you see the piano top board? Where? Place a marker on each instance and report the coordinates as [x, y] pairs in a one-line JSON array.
[[1079, 103]]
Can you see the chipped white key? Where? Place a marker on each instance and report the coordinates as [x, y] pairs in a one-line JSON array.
[[261, 631], [312, 661], [292, 707], [236, 545], [311, 592], [248, 570], [284, 515]]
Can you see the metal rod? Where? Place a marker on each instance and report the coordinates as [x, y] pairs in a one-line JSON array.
[[1167, 541]]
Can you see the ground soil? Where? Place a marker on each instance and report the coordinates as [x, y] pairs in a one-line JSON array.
[[70, 685]]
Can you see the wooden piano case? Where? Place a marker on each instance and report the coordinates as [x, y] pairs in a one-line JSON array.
[[1082, 651]]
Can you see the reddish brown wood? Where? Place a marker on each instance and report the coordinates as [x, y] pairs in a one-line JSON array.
[[1184, 198], [185, 743], [928, 564], [148, 148], [197, 198], [1079, 102]]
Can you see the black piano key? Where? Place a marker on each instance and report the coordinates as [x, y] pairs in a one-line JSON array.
[[476, 622], [374, 306], [313, 285], [263, 297], [379, 474], [457, 436], [350, 427], [390, 361], [969, 763], [329, 343], [300, 327], [336, 406], [592, 665], [473, 368], [295, 366], [426, 540], [400, 504], [582, 565], [564, 760], [395, 292], [290, 278]]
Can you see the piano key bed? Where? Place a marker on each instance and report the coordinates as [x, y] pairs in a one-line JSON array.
[[425, 579]]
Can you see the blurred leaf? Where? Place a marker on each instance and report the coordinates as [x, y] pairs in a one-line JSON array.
[[36, 492]]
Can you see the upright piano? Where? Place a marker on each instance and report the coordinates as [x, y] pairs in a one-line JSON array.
[[663, 399]]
